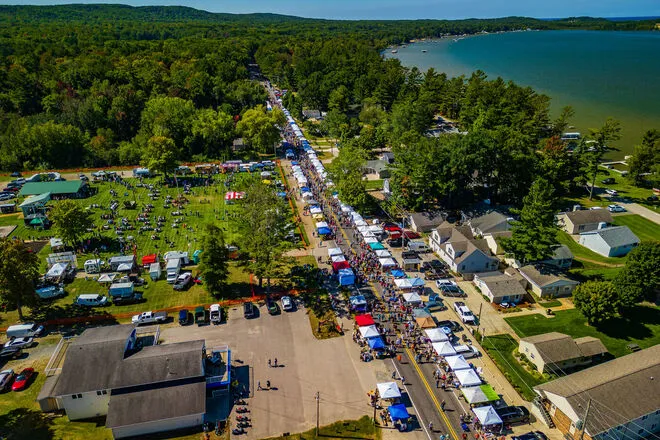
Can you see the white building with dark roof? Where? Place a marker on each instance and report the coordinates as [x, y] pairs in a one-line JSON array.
[[610, 242]]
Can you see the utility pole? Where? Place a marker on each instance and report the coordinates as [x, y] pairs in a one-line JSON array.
[[479, 315], [584, 420], [318, 401]]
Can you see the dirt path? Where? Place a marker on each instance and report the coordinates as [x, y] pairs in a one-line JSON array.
[[600, 263]]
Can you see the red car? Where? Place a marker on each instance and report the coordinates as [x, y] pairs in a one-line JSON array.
[[391, 227], [22, 380], [411, 234]]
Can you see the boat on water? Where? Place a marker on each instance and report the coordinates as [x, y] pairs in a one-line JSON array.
[[394, 51], [424, 50]]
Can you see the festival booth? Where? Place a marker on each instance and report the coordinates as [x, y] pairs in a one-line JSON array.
[[457, 362], [107, 278], [444, 349], [358, 303], [388, 390], [436, 335], [370, 240], [336, 267], [376, 246], [398, 273], [412, 298], [369, 331], [338, 258], [480, 394], [56, 272], [383, 254], [334, 252], [322, 228], [376, 344], [387, 263], [346, 209], [425, 322], [318, 217], [364, 320], [408, 283], [399, 415], [360, 222], [489, 419], [468, 378], [346, 277], [93, 266], [315, 210]]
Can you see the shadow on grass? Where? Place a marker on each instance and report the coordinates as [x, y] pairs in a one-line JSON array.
[[23, 423], [50, 312], [634, 327]]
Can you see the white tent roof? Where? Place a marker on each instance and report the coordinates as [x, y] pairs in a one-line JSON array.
[[468, 378], [487, 415], [412, 297], [407, 283], [56, 242], [338, 259], [321, 225], [124, 267], [369, 331], [346, 209], [436, 335], [377, 229], [334, 251], [474, 395], [444, 349], [457, 362], [107, 278], [370, 240], [57, 270], [315, 210], [388, 390], [387, 262], [363, 229], [383, 253], [360, 223], [367, 234]]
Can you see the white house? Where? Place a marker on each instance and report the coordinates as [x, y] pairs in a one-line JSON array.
[[462, 253], [557, 352], [624, 398], [610, 242]]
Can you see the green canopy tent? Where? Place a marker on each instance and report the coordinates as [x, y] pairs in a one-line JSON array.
[[480, 394]]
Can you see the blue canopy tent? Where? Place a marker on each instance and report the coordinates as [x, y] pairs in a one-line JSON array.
[[376, 246], [358, 303], [398, 273], [376, 343], [322, 228], [281, 194], [346, 277], [294, 162], [398, 412]]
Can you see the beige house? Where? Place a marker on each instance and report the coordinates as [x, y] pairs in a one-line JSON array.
[[500, 287], [556, 352], [461, 251], [624, 398], [576, 222], [546, 282]]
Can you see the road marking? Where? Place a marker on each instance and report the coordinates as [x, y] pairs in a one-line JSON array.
[[419, 415]]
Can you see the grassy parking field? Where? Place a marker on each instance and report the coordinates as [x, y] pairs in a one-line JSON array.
[[643, 328], [645, 229]]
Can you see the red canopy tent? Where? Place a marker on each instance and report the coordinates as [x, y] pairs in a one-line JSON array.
[[340, 265], [364, 320], [234, 195], [149, 259]]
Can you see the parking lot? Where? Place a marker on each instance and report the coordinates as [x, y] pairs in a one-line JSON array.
[[332, 367]]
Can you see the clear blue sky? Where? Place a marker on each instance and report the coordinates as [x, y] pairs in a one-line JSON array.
[[400, 9]]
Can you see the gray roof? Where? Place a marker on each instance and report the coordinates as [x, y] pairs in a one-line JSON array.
[[628, 386], [543, 276], [615, 236], [586, 216], [504, 285], [558, 347], [562, 252], [156, 404], [426, 219], [108, 333], [491, 222]]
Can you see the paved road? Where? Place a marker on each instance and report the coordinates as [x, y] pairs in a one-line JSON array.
[[635, 208]]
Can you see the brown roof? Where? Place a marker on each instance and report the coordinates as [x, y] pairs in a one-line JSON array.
[[623, 389], [504, 285], [586, 216], [554, 347], [543, 276], [590, 346]]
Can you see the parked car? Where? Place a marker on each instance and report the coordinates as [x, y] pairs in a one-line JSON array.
[[612, 192], [273, 309], [608, 181], [616, 208], [6, 378], [23, 379], [531, 435], [149, 318], [248, 310], [449, 288], [11, 352], [287, 303], [396, 242], [464, 312], [513, 414], [15, 174], [24, 342], [183, 281], [92, 300], [215, 313], [451, 325], [200, 315], [411, 235], [184, 317]]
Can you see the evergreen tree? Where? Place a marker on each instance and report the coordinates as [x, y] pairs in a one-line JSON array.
[[214, 265], [639, 280]]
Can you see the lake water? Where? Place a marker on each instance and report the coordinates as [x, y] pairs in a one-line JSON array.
[[600, 74]]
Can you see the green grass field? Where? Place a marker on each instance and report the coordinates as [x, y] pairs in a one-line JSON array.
[[643, 328], [645, 229], [582, 253]]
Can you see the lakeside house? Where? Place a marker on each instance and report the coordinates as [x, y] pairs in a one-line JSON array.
[[556, 352], [623, 395]]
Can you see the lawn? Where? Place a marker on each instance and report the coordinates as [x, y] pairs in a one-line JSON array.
[[645, 229], [347, 429], [642, 329], [500, 349], [374, 185], [582, 253]]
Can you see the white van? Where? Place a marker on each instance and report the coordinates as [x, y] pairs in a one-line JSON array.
[[173, 268], [91, 300], [418, 246], [29, 329]]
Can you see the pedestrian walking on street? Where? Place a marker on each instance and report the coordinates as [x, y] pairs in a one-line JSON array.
[[259, 386], [269, 364], [442, 405], [268, 385], [403, 380], [276, 362], [431, 426]]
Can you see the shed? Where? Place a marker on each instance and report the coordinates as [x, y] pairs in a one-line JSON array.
[[66, 189], [7, 208], [154, 271], [47, 402], [118, 260]]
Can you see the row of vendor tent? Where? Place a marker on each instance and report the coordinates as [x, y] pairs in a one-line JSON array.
[[371, 334], [322, 228], [409, 283]]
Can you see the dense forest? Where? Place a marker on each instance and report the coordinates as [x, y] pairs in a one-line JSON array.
[[96, 85]]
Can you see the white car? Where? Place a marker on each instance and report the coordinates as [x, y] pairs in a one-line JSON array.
[[24, 342], [612, 192], [6, 378], [287, 304], [616, 208]]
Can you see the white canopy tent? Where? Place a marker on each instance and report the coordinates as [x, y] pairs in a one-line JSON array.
[[409, 283], [468, 378], [346, 209], [457, 362], [360, 223], [487, 415], [315, 210], [370, 240], [383, 253], [334, 251], [474, 395], [369, 331], [412, 298], [436, 335], [338, 258], [386, 262], [57, 270], [107, 278], [388, 390], [444, 349]]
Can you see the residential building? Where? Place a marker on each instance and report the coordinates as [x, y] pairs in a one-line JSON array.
[[576, 222], [610, 242], [311, 114], [63, 189], [238, 144], [547, 282], [501, 287], [493, 240], [556, 352], [457, 247], [623, 396], [140, 390], [562, 258], [377, 166], [426, 221], [489, 223]]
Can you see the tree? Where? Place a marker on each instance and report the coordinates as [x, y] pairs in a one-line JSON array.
[[19, 270], [215, 131], [535, 234], [639, 280], [346, 172], [260, 128], [596, 146], [263, 224], [160, 154], [214, 265], [645, 160], [70, 221], [596, 300]]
